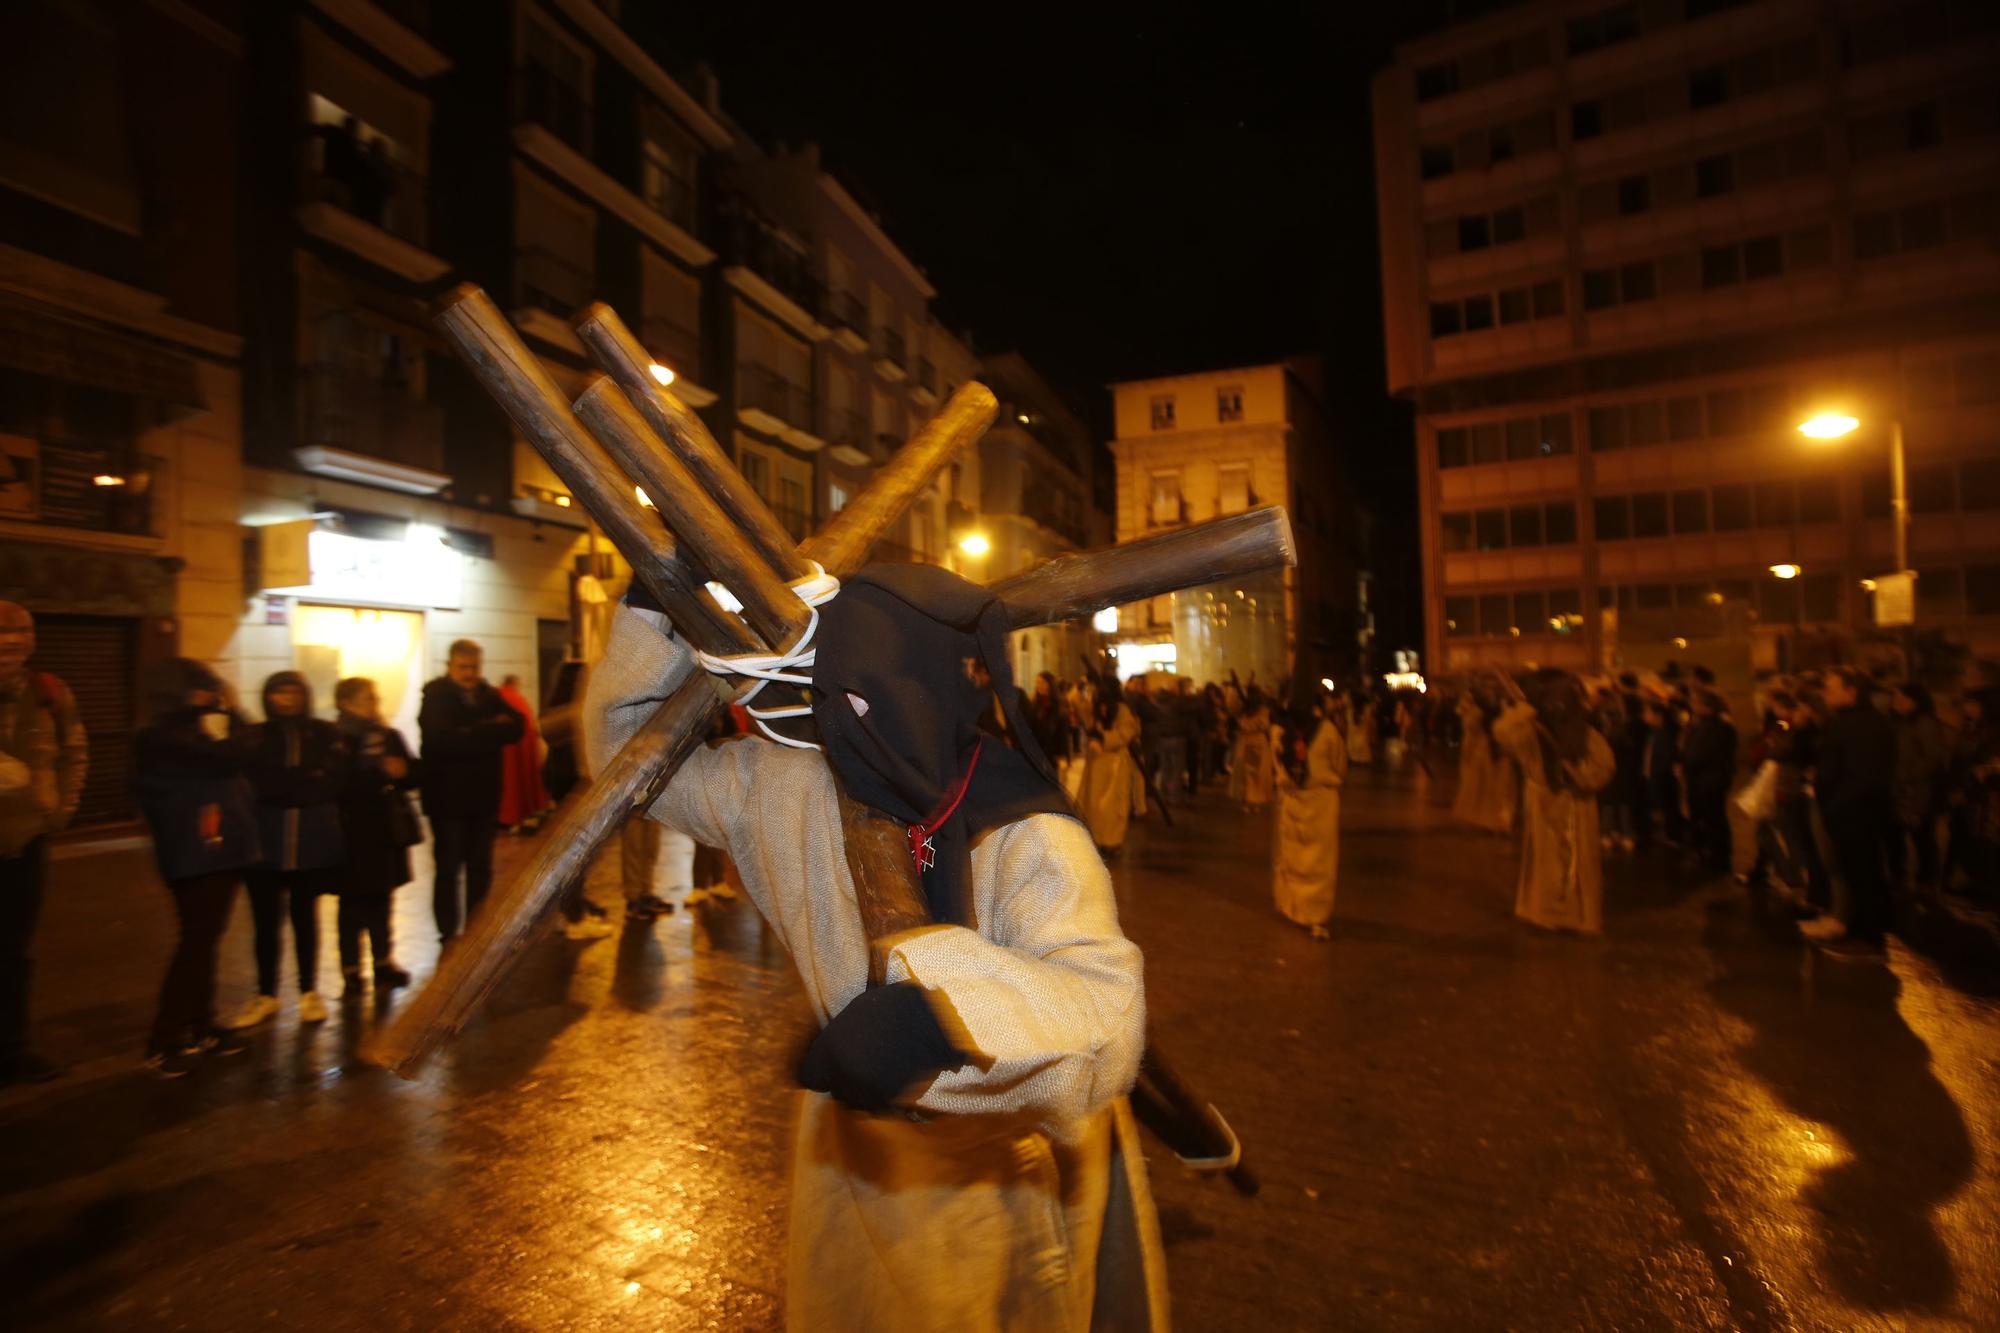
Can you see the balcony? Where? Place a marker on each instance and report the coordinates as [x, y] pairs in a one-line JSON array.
[[97, 486], [890, 356], [767, 401], [1057, 510], [923, 381], [562, 110], [359, 413], [850, 320], [764, 264], [853, 442], [675, 345], [668, 193], [550, 282], [363, 198], [399, 29]]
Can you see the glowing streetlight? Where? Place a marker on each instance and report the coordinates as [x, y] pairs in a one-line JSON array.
[[974, 544], [107, 479], [1784, 571], [662, 374], [1828, 426]]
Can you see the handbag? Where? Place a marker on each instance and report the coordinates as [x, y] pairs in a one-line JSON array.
[[405, 829], [1759, 797]]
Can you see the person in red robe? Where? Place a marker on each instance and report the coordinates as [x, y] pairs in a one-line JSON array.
[[523, 798]]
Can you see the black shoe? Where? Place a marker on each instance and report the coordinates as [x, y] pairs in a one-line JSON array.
[[29, 1067], [218, 1041], [388, 976], [352, 986], [647, 906]]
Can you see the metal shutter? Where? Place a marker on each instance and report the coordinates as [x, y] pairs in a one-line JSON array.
[[96, 656]]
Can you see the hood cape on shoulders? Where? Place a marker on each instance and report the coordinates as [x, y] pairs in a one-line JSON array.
[[898, 715]]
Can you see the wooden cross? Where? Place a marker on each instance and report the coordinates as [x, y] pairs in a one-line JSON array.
[[627, 430]]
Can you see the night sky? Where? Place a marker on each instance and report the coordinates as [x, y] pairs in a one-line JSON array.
[[1116, 195]]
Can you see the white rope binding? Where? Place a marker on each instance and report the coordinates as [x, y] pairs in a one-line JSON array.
[[815, 590]]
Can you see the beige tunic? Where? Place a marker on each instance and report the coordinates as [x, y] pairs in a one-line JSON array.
[[1308, 858], [1252, 779], [1109, 778], [1562, 873], [1021, 1202]]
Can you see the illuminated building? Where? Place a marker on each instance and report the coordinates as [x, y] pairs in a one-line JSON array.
[[1625, 249], [1206, 445]]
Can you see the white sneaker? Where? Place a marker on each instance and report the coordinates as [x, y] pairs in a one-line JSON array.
[[590, 928], [259, 1009], [312, 1009]]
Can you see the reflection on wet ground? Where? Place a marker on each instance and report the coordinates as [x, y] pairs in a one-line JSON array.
[[1459, 1122]]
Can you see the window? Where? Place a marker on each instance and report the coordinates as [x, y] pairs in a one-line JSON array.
[[1708, 87], [1164, 507], [1435, 81], [1586, 120], [1473, 233], [1920, 226], [1778, 601], [1445, 319], [1643, 424], [1635, 195], [1763, 257], [1982, 590], [1933, 489], [1690, 511], [1514, 306], [1232, 486], [1774, 504], [1714, 175], [1460, 616], [1612, 517], [1683, 418], [1731, 505], [1488, 443], [1489, 527], [1819, 500], [1531, 613], [1922, 127], [1500, 143], [1635, 283], [1524, 525], [1523, 439], [1559, 523], [1607, 428], [1600, 288], [1478, 313], [1721, 266], [555, 246], [1163, 411], [1556, 433], [555, 83], [1451, 447], [1649, 514], [1548, 299], [1819, 597], [1229, 403], [667, 160], [1455, 530], [1496, 613], [1434, 160], [1509, 225], [755, 466], [1605, 28], [1938, 592], [1979, 484]]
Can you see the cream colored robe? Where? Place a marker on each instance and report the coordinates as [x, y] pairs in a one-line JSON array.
[[1361, 736], [1020, 1201], [1109, 779], [1489, 785], [1251, 781], [1308, 856], [1562, 871]]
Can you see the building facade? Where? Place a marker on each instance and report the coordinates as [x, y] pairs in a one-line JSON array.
[[120, 352], [1190, 448], [1626, 249]]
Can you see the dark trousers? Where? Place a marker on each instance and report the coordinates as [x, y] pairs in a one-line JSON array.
[[463, 842], [270, 891], [21, 880], [1858, 852], [1802, 859], [361, 912], [187, 996], [1708, 827], [1924, 834], [1666, 793]]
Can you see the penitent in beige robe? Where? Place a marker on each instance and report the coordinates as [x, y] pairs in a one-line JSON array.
[[1109, 777], [1562, 872], [1489, 786], [1019, 1200], [1308, 855]]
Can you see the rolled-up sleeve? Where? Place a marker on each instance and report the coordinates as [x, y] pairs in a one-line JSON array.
[[1051, 1007]]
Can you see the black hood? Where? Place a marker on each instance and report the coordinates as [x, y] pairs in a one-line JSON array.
[[898, 638], [277, 680]]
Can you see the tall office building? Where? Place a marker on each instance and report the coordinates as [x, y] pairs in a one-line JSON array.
[[1626, 250]]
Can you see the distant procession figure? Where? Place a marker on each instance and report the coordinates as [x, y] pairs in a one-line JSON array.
[[1563, 763], [465, 725], [523, 797], [1108, 771], [1489, 782], [1250, 779], [1361, 735], [1307, 862]]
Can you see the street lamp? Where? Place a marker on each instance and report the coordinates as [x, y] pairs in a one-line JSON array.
[[1834, 426], [662, 374], [974, 544], [1784, 571]]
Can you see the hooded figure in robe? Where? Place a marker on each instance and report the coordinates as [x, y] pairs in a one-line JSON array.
[[1563, 762]]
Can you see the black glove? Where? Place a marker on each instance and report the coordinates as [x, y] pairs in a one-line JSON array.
[[886, 1042]]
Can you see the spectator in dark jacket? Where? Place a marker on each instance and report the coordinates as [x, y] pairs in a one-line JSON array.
[[190, 783], [1659, 757], [379, 827], [1857, 766], [465, 725], [1923, 768], [299, 768], [1708, 762]]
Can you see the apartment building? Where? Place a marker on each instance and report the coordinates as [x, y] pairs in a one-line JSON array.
[[1194, 447], [1627, 249], [120, 352]]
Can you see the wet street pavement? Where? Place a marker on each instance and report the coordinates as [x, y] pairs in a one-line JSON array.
[[1460, 1123]]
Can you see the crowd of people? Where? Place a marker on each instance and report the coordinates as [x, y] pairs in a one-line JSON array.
[[1861, 791]]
